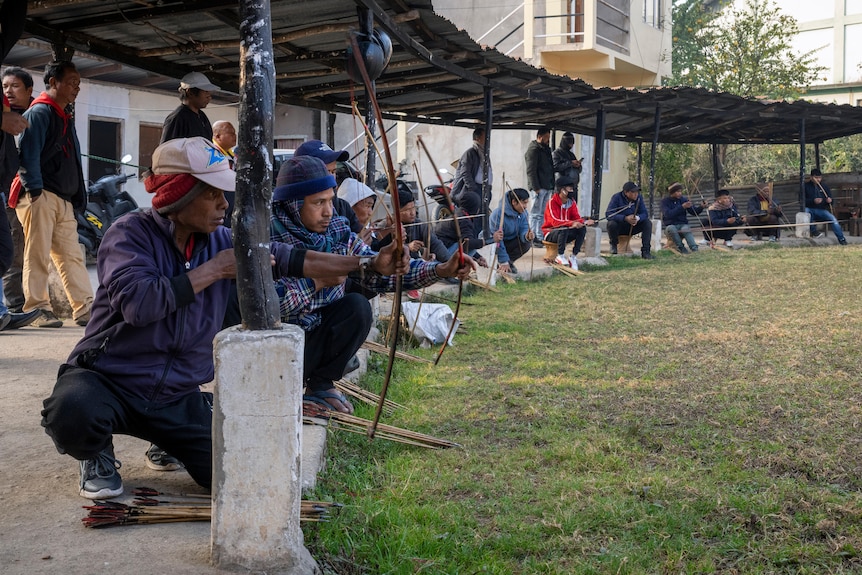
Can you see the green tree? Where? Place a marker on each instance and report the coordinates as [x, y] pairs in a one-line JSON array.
[[743, 48]]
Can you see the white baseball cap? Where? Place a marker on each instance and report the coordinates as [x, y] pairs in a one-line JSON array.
[[197, 80]]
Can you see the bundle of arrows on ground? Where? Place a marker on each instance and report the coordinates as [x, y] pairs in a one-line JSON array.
[[315, 414], [365, 396], [146, 509]]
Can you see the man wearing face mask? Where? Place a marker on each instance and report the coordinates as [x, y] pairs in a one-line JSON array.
[[563, 222]]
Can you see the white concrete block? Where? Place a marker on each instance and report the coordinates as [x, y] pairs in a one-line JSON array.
[[257, 433], [593, 242], [313, 452], [803, 231], [656, 235]]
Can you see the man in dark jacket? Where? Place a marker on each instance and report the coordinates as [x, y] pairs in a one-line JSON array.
[[18, 90], [565, 163], [470, 174], [52, 183], [724, 219], [164, 279], [421, 240], [470, 227], [188, 119], [540, 179], [818, 203], [627, 215], [764, 213], [675, 209]]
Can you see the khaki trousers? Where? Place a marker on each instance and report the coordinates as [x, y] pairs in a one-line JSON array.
[[51, 233]]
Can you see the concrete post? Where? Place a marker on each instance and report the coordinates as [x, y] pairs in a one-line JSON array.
[[803, 231], [593, 242], [656, 235], [257, 430]]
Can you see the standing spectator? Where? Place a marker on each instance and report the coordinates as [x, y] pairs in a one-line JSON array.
[[540, 179], [224, 137], [818, 203], [675, 208], [517, 235], [563, 222], [18, 90], [188, 119], [11, 25], [565, 162], [470, 174], [627, 215], [52, 188]]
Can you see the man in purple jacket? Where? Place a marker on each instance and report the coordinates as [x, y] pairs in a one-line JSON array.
[[164, 279]]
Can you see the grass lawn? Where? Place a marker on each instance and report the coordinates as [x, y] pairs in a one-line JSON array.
[[695, 414]]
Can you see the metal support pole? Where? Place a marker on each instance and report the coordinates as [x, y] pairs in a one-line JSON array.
[[817, 155], [258, 302], [639, 166], [486, 165], [330, 130], [366, 26], [598, 162], [716, 177], [802, 164], [657, 126]]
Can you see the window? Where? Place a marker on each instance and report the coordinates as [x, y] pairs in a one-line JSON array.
[[652, 13], [148, 141]]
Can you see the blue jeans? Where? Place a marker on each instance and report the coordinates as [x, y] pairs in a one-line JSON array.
[[818, 215], [537, 212], [675, 231]]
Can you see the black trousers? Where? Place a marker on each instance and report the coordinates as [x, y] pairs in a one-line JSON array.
[[718, 234], [516, 247], [7, 249], [563, 236], [643, 227], [13, 279], [86, 409], [330, 346]]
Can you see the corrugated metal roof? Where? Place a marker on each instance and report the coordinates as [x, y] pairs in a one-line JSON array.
[[437, 73]]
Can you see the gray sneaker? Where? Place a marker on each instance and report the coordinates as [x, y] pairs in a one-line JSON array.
[[160, 460], [47, 319], [99, 476]]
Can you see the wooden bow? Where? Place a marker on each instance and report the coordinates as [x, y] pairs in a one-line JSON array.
[[398, 236], [445, 192]]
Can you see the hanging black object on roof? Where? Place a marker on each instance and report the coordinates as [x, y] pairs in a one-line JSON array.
[[376, 49]]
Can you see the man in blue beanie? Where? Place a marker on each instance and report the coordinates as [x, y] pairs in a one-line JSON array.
[[335, 322]]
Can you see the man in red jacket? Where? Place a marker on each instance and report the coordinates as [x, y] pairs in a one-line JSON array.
[[563, 223]]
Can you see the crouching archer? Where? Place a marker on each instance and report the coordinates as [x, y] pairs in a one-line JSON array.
[[335, 323]]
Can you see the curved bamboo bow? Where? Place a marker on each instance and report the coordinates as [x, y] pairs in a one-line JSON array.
[[398, 236], [445, 192]]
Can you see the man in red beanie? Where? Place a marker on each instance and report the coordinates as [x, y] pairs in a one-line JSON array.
[[164, 279]]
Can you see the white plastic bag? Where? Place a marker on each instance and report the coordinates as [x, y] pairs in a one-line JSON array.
[[433, 323]]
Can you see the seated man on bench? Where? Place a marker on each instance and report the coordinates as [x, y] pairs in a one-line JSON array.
[[627, 215], [724, 220], [674, 216], [763, 211], [563, 223]]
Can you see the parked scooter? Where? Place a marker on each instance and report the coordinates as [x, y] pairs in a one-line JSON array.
[[436, 193], [106, 202]]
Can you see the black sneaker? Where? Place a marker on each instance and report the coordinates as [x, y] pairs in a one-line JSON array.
[[23, 319], [647, 256], [613, 249], [160, 460], [842, 241], [99, 476]]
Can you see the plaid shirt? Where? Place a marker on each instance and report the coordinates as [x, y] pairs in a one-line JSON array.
[[298, 300]]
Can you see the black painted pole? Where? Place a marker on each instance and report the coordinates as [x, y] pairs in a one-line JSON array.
[[802, 164], [598, 160], [715, 175], [657, 123], [366, 26], [486, 165], [258, 302]]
